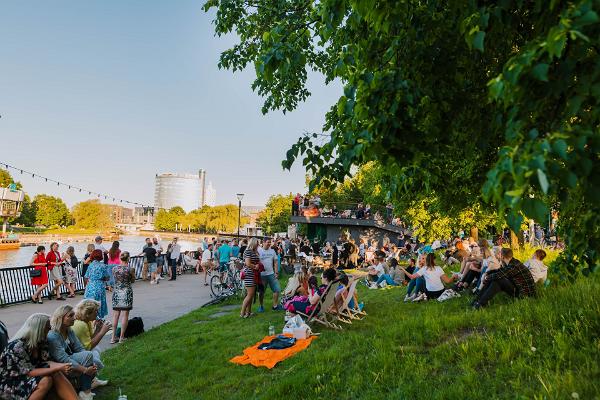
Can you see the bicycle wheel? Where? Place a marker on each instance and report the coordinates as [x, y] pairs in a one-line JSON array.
[[216, 287]]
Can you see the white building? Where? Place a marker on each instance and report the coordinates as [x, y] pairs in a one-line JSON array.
[[211, 195], [187, 191]]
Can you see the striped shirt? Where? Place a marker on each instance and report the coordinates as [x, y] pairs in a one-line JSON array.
[[249, 272]]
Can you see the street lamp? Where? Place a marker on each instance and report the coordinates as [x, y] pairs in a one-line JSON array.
[[240, 196]]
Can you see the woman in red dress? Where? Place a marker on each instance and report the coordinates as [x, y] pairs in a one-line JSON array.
[[38, 261], [55, 267]]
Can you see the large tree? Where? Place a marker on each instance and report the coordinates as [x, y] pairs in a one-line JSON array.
[[276, 215], [92, 214], [451, 97], [51, 211]]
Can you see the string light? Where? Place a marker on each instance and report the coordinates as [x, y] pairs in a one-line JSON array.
[[59, 183]]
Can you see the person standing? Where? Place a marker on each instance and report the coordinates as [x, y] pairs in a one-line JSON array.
[[70, 265], [173, 258], [224, 256], [86, 262], [235, 249], [55, 267], [269, 276], [122, 300], [38, 262], [149, 253], [206, 262], [251, 267], [98, 277], [160, 258], [99, 246], [114, 254], [145, 266], [243, 246]]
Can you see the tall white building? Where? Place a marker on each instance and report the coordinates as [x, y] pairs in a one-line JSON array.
[[211, 195], [185, 190]]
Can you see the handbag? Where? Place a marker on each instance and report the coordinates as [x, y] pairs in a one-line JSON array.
[[35, 273]]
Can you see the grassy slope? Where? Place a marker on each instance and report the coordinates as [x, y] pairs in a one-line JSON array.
[[400, 351]]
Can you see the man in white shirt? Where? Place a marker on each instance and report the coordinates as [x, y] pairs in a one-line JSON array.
[[207, 261], [98, 246], [379, 270], [160, 258], [173, 258], [269, 276]]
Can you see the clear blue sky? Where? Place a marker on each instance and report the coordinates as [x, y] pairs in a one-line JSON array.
[[104, 94]]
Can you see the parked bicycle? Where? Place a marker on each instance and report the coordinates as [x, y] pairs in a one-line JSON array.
[[230, 282]]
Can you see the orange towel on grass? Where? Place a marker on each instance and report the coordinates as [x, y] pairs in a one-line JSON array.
[[269, 358]]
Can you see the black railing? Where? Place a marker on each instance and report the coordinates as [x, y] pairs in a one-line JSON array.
[[16, 287]]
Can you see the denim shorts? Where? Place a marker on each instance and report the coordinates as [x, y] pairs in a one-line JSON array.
[[223, 266], [152, 267], [272, 282]]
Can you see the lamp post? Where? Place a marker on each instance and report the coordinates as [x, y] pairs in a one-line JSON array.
[[240, 196]]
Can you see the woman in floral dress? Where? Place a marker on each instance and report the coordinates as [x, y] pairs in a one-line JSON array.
[[70, 265], [98, 276], [122, 300], [26, 371]]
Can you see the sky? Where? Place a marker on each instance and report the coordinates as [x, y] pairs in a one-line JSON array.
[[105, 94]]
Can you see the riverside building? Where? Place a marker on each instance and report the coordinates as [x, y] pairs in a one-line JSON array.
[[185, 190]]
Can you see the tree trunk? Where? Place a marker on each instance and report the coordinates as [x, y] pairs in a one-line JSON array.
[[474, 233]]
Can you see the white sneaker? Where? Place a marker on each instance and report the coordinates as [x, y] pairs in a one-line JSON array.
[[420, 297], [383, 284], [406, 298], [153, 282], [159, 278], [373, 286], [98, 382], [86, 396]]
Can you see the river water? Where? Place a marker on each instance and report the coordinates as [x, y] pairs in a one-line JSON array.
[[130, 243]]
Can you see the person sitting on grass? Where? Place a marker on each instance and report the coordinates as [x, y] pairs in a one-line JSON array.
[[66, 348], [26, 371], [90, 331], [396, 272], [416, 286], [539, 271], [491, 262], [379, 271], [314, 293], [513, 278], [435, 277]]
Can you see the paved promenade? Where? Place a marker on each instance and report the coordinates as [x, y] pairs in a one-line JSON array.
[[156, 304]]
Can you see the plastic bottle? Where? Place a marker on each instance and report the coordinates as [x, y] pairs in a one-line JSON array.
[[271, 330]]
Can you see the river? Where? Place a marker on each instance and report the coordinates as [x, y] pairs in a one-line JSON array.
[[130, 243]]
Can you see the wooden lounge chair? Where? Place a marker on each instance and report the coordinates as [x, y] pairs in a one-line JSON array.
[[344, 309], [320, 313]]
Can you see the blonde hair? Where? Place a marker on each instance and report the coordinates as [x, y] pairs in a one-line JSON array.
[[33, 331], [56, 320], [85, 308], [253, 244]]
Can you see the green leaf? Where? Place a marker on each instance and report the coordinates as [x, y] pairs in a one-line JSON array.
[[560, 148], [478, 40], [543, 181], [535, 208], [514, 220], [540, 72], [588, 18]]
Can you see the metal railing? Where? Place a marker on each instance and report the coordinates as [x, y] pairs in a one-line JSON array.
[[16, 287]]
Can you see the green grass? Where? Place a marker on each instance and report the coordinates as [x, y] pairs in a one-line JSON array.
[[544, 348]]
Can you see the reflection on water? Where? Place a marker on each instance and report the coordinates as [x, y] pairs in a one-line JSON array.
[[132, 244]]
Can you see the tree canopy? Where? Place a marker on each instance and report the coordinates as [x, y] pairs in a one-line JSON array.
[[222, 218], [50, 210], [92, 214], [468, 101], [276, 215]]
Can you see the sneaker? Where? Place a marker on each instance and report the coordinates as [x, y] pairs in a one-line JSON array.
[[406, 298], [383, 284], [153, 282], [420, 297], [98, 382], [86, 396], [159, 278], [260, 309], [278, 307], [373, 286]]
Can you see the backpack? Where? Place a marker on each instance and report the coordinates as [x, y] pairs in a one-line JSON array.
[[135, 327], [3, 336]]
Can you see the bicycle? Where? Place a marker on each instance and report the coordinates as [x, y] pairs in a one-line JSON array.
[[230, 282]]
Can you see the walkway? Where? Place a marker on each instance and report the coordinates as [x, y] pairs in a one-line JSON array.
[[156, 304]]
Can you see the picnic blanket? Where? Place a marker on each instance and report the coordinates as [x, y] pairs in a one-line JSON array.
[[269, 358]]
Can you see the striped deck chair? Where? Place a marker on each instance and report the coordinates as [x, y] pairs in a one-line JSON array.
[[319, 313], [344, 309]]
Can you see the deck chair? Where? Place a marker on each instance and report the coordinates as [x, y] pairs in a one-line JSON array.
[[320, 312], [344, 309]]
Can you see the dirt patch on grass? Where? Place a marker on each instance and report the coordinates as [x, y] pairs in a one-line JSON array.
[[464, 334]]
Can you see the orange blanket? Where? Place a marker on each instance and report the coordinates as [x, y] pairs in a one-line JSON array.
[[269, 358]]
